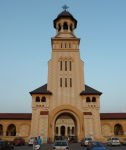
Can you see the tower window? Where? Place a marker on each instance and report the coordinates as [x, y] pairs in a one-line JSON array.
[[69, 46], [60, 65], [61, 45], [59, 27], [65, 65], [65, 82], [70, 82], [70, 66], [71, 27], [88, 99], [43, 99], [65, 45], [60, 82], [93, 99], [65, 26], [37, 99]]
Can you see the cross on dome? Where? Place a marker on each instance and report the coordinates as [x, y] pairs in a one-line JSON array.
[[65, 7]]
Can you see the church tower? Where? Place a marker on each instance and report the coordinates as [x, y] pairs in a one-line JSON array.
[[65, 93]]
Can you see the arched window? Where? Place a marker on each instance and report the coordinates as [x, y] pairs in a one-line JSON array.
[[43, 99], [65, 46], [69, 46], [118, 130], [65, 26], [88, 99], [70, 66], [93, 99], [37, 99], [60, 65], [70, 27], [61, 45], [59, 27]]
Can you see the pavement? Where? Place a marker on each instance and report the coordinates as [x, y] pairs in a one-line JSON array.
[[73, 146]]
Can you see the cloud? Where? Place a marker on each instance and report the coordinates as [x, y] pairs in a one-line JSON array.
[[124, 110]]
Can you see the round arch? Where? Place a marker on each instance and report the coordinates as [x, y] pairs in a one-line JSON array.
[[104, 123], [72, 111], [3, 124], [24, 123], [119, 122], [11, 122]]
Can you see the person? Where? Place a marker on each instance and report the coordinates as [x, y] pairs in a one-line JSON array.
[[39, 141], [34, 143], [68, 140]]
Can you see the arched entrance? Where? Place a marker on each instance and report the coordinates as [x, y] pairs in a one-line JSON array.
[[1, 130], [69, 127], [118, 129], [11, 130]]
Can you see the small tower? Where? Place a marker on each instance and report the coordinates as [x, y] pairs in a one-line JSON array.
[[65, 24]]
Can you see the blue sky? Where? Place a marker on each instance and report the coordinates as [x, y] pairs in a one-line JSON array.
[[26, 28]]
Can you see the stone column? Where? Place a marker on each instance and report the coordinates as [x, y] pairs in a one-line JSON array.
[[56, 31], [17, 133], [61, 28], [4, 133], [68, 28], [59, 131], [65, 130]]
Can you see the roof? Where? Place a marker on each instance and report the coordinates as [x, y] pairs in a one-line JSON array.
[[41, 90], [90, 91], [65, 14], [15, 116], [112, 115]]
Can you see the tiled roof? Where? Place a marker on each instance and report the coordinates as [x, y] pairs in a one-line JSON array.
[[90, 91], [15, 115], [112, 115], [41, 90]]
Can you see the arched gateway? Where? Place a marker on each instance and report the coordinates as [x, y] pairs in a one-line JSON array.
[[65, 94]]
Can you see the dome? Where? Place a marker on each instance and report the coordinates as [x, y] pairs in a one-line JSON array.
[[64, 14]]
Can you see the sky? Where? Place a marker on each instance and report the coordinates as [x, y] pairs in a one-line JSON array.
[[26, 28]]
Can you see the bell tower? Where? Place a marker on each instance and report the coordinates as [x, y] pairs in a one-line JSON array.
[[65, 69], [65, 25]]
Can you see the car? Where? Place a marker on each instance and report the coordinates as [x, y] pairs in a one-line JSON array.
[[113, 141], [5, 145], [31, 141], [60, 145], [84, 142], [19, 141], [124, 141], [95, 145]]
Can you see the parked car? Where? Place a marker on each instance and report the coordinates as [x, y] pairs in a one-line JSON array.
[[19, 141], [113, 141], [31, 141], [61, 145], [84, 142], [95, 145], [124, 141], [5, 145]]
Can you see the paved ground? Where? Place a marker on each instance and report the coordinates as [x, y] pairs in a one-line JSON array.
[[72, 147]]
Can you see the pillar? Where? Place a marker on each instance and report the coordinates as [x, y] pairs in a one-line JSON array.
[[59, 131], [61, 28], [68, 28], [65, 130]]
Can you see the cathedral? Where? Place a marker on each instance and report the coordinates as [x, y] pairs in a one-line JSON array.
[[65, 106]]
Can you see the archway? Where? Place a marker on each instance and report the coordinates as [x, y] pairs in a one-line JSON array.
[[118, 129], [66, 121], [1, 129], [11, 130]]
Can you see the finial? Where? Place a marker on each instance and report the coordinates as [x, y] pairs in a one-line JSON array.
[[65, 7]]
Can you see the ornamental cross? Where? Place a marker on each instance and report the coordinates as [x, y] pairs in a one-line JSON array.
[[65, 7]]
